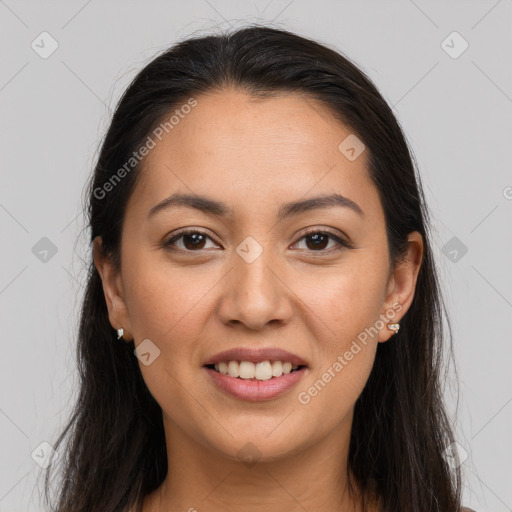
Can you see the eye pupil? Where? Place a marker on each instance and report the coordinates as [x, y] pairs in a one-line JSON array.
[[316, 238], [197, 240]]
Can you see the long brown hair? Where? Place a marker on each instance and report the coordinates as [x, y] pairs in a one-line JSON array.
[[115, 451]]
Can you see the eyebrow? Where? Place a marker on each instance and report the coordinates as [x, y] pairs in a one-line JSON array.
[[213, 207]]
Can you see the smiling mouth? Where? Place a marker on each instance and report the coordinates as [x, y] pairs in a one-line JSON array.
[[261, 371]]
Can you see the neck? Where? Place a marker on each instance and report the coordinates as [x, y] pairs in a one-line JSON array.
[[200, 478]]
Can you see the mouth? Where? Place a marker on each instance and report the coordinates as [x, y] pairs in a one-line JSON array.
[[255, 375], [255, 371]]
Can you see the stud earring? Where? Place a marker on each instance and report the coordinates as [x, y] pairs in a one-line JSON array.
[[120, 333], [394, 327]]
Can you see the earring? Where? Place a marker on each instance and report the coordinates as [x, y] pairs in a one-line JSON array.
[[394, 327], [120, 333]]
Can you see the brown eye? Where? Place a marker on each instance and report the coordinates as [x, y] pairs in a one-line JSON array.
[[191, 241], [318, 241]]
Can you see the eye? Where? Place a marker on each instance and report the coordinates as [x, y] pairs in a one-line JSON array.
[[318, 241], [191, 240]]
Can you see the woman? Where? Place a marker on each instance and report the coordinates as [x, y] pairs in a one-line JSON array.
[[262, 324]]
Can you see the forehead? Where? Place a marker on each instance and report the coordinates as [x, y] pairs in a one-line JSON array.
[[253, 152]]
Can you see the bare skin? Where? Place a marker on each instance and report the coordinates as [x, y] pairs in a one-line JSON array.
[[253, 156]]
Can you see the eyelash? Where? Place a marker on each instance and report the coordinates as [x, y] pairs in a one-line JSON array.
[[344, 244]]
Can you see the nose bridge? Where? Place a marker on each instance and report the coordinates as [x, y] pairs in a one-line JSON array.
[[252, 262], [254, 296]]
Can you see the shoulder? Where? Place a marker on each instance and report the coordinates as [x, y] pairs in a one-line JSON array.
[[468, 510]]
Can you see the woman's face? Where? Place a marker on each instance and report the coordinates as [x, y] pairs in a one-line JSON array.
[[252, 282]]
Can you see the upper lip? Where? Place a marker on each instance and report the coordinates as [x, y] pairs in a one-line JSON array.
[[255, 355]]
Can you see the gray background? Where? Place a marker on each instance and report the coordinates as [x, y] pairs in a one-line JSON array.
[[454, 111]]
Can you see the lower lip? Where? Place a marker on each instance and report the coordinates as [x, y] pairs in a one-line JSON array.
[[255, 390]]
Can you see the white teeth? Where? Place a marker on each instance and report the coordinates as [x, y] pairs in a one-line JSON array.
[[247, 370], [233, 369], [277, 369], [263, 370]]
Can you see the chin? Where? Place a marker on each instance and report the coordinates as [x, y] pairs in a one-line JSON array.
[[258, 445]]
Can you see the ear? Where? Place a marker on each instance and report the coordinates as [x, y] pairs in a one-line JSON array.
[[113, 290], [402, 284]]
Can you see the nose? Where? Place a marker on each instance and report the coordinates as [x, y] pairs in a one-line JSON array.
[[255, 294]]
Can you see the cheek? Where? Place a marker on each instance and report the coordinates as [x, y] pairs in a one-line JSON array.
[[331, 394], [347, 304], [345, 348], [166, 303], [169, 307], [347, 311]]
